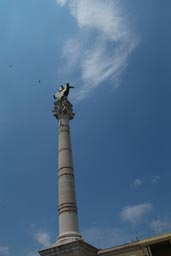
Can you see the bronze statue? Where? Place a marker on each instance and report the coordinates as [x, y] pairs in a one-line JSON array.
[[62, 92]]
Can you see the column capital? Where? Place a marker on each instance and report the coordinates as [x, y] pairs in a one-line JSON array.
[[62, 108]]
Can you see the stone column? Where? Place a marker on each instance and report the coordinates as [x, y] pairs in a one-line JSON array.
[[67, 207]]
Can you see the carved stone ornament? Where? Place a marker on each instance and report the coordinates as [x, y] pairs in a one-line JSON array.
[[63, 107]]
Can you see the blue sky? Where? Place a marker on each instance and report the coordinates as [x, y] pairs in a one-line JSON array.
[[117, 55]]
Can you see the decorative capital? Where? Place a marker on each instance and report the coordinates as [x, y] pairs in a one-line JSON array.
[[63, 107]]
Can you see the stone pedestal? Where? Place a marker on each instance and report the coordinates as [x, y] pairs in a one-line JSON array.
[[77, 248]]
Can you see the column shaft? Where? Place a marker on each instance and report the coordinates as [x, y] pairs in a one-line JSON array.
[[67, 208]]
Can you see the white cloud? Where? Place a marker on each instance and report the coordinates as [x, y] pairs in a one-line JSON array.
[[43, 238], [134, 214], [71, 50], [104, 16], [136, 183], [61, 2], [155, 179], [159, 226], [106, 237], [105, 41], [4, 250]]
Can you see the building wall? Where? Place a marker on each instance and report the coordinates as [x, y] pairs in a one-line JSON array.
[[131, 252], [161, 249], [153, 246]]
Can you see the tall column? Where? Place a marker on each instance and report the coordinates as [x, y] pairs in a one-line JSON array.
[[67, 207]]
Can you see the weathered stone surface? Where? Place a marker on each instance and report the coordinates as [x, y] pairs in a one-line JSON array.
[[77, 248], [63, 108]]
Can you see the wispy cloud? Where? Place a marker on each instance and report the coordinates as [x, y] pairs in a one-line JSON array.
[[4, 250], [136, 183], [160, 226], [61, 2], [105, 41], [134, 214], [43, 238], [104, 237], [71, 50], [155, 179]]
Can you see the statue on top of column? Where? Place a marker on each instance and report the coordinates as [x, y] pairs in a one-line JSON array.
[[62, 106], [62, 92]]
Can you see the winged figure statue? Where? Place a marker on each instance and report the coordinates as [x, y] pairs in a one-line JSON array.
[[63, 91]]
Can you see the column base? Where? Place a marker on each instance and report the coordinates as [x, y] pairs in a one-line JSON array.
[[68, 237]]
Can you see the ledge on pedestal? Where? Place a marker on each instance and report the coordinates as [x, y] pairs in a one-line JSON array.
[[77, 248]]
